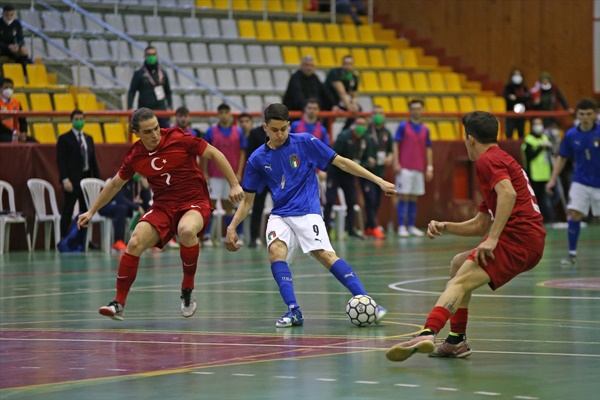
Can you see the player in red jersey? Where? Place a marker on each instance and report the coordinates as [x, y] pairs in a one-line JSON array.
[[514, 243], [167, 158]]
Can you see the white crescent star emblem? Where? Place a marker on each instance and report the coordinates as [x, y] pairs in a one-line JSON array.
[[154, 167]]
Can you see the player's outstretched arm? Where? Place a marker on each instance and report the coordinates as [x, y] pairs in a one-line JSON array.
[[240, 214], [236, 194], [353, 168], [477, 226], [106, 195]]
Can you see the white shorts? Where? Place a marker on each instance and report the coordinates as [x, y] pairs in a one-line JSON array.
[[305, 231], [218, 188], [582, 198], [410, 181]]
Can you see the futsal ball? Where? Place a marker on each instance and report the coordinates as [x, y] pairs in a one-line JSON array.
[[362, 310]]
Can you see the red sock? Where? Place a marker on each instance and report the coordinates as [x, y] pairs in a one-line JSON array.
[[125, 276], [437, 319], [189, 257], [458, 322]]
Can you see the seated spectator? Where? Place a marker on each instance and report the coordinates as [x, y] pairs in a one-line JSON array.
[[8, 103], [342, 84], [516, 92], [546, 96], [182, 120], [304, 84], [353, 8], [12, 43]]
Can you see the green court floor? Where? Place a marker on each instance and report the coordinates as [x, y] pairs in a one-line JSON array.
[[536, 338]]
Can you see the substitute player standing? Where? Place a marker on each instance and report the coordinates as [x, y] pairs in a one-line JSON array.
[[582, 144], [514, 243], [167, 158], [286, 165]]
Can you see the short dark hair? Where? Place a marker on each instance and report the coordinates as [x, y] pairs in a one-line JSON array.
[[5, 80], [223, 106], [587, 104], [276, 111], [148, 48], [139, 115], [482, 125], [183, 110], [244, 115], [416, 101], [8, 7], [75, 112], [312, 100]]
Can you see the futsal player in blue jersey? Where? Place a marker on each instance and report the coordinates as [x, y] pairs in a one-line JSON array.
[[286, 165], [582, 145]]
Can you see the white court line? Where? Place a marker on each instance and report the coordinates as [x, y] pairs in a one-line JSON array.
[[367, 382], [202, 373], [243, 375], [447, 389], [396, 286], [526, 398], [406, 385], [326, 380], [117, 369], [284, 377], [488, 393]]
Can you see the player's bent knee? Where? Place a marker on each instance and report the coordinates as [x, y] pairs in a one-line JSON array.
[[575, 215], [277, 251], [326, 258]]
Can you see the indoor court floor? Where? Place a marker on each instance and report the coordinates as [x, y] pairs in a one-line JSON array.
[[536, 338]]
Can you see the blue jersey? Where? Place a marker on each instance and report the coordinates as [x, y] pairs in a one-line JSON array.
[[289, 172], [584, 149]]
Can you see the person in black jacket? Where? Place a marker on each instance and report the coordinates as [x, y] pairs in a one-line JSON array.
[[256, 138], [76, 159], [516, 92], [153, 86], [12, 42], [304, 84]]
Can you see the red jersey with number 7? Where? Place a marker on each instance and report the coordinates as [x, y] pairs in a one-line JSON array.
[[524, 226], [170, 168]]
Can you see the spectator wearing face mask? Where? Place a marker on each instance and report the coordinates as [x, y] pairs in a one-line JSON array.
[[546, 96], [515, 92], [9, 103]]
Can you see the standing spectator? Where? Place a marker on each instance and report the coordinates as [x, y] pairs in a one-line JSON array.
[[12, 42], [379, 154], [537, 150], [76, 160], [515, 92], [153, 86], [9, 103], [305, 84], [256, 138], [310, 122], [546, 96], [342, 84], [182, 120], [352, 144], [245, 122], [582, 144], [413, 164]]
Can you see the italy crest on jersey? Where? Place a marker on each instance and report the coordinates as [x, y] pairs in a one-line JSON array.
[[294, 161], [272, 235]]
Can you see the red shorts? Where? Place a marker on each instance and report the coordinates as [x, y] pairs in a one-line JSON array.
[[165, 218], [510, 260]]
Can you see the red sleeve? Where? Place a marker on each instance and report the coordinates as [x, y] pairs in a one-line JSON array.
[[191, 143], [126, 171], [492, 170]]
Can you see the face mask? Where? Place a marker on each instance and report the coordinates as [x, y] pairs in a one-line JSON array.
[[7, 93], [151, 60], [517, 79], [537, 129], [360, 130], [348, 76], [78, 125], [555, 132], [378, 119], [546, 86]]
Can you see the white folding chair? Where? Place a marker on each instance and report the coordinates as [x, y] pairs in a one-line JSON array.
[[11, 218], [38, 189], [91, 188], [216, 228], [340, 215]]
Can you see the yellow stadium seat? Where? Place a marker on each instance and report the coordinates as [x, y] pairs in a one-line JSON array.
[[498, 104], [37, 75], [399, 104], [340, 53], [446, 131], [449, 104], [316, 32], [64, 127], [264, 30], [274, 6], [281, 29], [465, 104], [360, 57], [256, 5], [22, 98], [87, 102], [40, 102], [290, 55], [452, 82], [349, 34], [333, 33], [420, 81], [43, 132], [299, 31], [404, 82], [221, 4], [114, 133], [376, 58], [239, 5], [383, 102], [95, 131], [290, 6], [436, 82], [326, 59], [64, 102], [409, 58], [14, 72], [387, 82], [369, 81], [433, 130], [433, 104], [309, 51], [365, 34], [392, 58], [204, 3], [482, 103], [246, 29]]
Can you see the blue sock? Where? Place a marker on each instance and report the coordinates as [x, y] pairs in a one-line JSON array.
[[346, 275], [573, 233], [401, 212], [412, 213], [283, 277]]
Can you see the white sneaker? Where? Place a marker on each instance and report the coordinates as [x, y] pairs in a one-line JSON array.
[[415, 232], [402, 231], [188, 303], [207, 242]]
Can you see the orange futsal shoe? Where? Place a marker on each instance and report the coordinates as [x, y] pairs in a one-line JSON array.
[[377, 233], [418, 344], [119, 246]]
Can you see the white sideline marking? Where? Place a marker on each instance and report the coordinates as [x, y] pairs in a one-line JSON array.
[[526, 397], [406, 385], [31, 367], [243, 375], [447, 389], [117, 369], [367, 382], [284, 377], [326, 379], [488, 393], [202, 373]]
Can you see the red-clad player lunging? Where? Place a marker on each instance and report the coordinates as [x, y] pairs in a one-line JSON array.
[[167, 158], [510, 216]]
